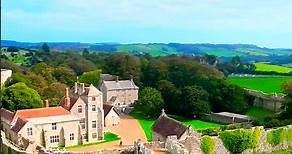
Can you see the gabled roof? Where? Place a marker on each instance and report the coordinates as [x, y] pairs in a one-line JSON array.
[[167, 126], [73, 100], [40, 112], [6, 114], [107, 108], [120, 84], [91, 91], [18, 125]]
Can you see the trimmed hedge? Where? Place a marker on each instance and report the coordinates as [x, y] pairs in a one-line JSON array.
[[279, 135], [236, 141], [208, 145]]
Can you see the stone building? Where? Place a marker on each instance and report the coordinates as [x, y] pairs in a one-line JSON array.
[[165, 126], [79, 119], [119, 93], [111, 116], [229, 118], [5, 75]]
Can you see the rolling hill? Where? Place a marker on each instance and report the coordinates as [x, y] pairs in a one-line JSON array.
[[160, 49]]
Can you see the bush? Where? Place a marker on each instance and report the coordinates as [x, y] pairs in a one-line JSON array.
[[208, 145], [210, 131], [236, 141], [279, 135]]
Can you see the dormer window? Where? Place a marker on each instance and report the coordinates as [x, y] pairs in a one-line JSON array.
[[79, 108], [93, 107]]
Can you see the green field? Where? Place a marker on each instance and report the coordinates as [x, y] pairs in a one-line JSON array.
[[259, 113], [266, 67], [264, 84], [146, 124]]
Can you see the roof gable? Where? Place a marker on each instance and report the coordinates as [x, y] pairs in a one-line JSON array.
[[6, 114], [107, 108], [18, 125], [167, 126]]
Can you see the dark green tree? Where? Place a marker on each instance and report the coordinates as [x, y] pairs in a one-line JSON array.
[[54, 93], [45, 47], [62, 138], [42, 138], [150, 102], [287, 113], [85, 52], [194, 101]]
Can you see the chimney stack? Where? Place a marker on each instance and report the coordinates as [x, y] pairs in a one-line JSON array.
[[131, 78], [47, 103], [82, 88], [75, 87], [117, 78], [67, 98]]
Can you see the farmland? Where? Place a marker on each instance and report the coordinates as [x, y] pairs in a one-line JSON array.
[[266, 67], [264, 84]]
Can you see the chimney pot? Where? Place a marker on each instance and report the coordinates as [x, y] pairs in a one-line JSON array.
[[82, 88], [47, 103], [75, 87], [67, 92]]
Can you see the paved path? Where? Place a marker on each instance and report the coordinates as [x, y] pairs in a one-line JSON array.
[[129, 130]]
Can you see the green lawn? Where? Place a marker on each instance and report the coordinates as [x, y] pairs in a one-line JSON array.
[[146, 124], [266, 67], [259, 113], [265, 84], [108, 137]]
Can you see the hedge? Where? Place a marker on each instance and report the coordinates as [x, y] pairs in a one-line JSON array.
[[279, 135], [236, 141], [208, 145]]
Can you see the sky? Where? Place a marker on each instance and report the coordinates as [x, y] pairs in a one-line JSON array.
[[266, 23]]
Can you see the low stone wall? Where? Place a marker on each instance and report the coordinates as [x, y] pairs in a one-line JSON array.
[[192, 145]]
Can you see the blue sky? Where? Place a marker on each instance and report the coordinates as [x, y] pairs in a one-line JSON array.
[[262, 22]]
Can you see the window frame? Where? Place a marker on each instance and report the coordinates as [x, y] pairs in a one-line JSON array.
[[93, 124], [79, 108], [71, 136], [93, 108], [29, 131], [54, 126]]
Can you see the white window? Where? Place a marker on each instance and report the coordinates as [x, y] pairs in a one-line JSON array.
[[79, 109], [54, 126], [29, 131], [94, 135], [93, 98], [82, 123], [93, 124], [54, 139], [71, 136], [93, 107]]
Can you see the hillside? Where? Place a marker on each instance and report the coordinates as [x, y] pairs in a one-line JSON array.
[[266, 67], [160, 49]]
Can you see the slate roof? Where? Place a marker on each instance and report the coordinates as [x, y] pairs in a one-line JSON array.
[[120, 85], [107, 108], [166, 126], [6, 114], [18, 125]]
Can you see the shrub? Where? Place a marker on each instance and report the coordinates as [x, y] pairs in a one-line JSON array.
[[279, 135], [256, 136], [236, 141], [208, 145], [210, 131]]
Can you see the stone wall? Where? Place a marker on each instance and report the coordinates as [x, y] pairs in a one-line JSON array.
[[192, 145], [5, 74]]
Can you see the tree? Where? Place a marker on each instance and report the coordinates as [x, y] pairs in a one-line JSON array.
[[12, 49], [150, 102], [85, 52], [64, 75], [194, 101], [45, 47], [44, 70], [156, 70], [91, 77], [287, 86], [19, 96], [42, 138], [171, 96], [54, 93]]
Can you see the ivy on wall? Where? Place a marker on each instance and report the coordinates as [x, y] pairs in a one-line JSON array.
[[279, 135], [208, 145], [236, 141]]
